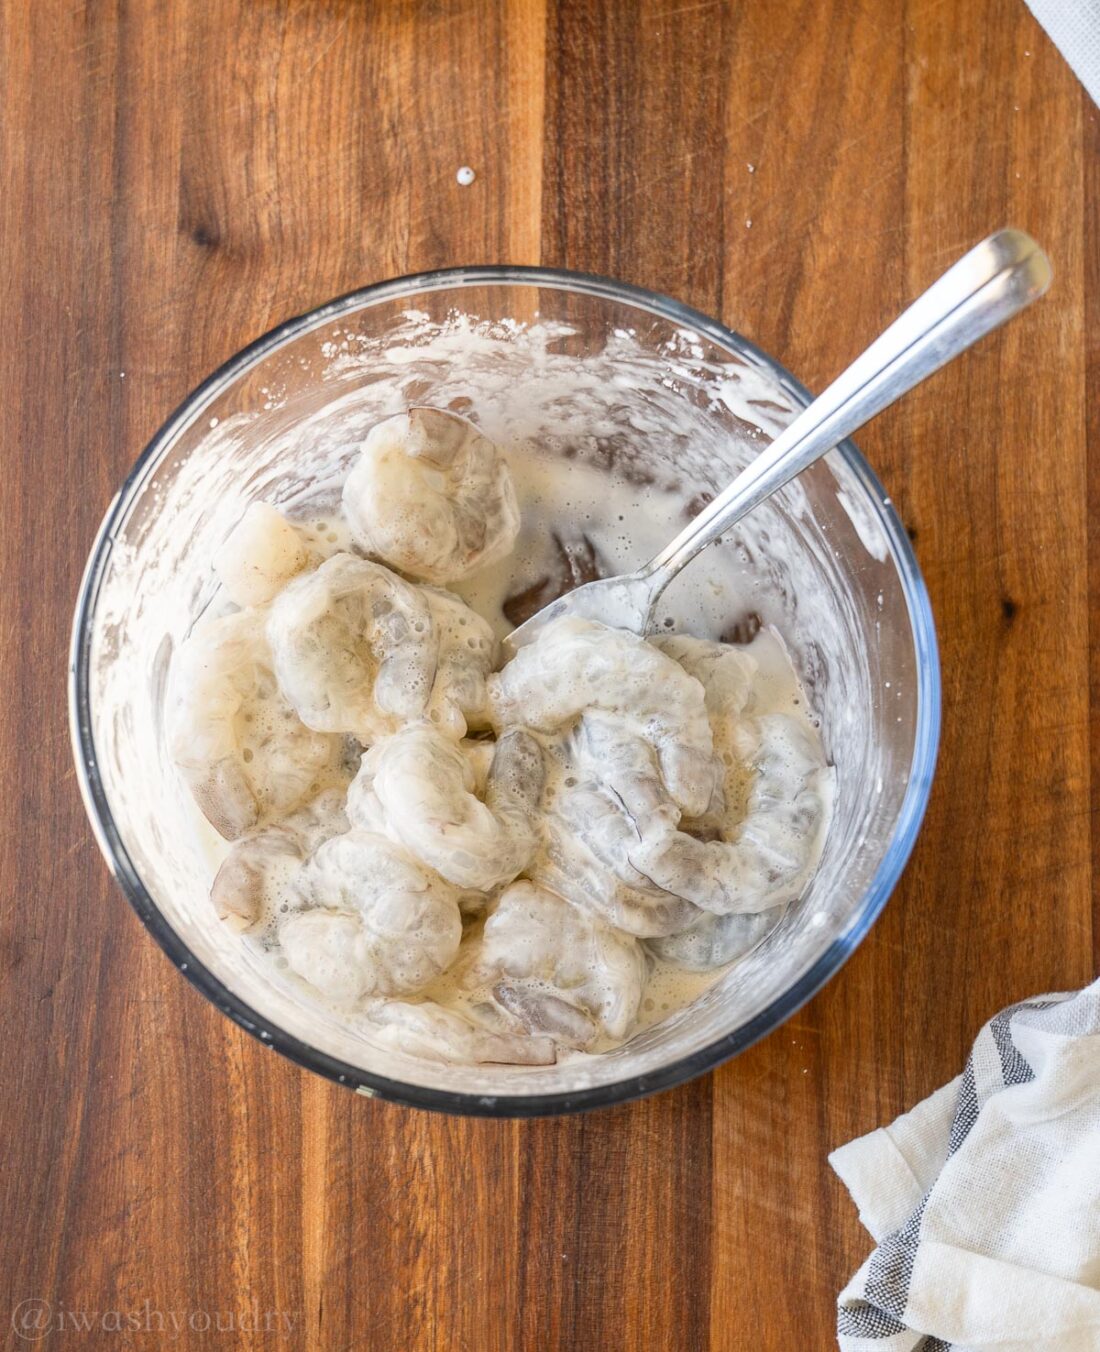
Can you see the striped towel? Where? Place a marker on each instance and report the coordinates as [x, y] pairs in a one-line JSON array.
[[984, 1201]]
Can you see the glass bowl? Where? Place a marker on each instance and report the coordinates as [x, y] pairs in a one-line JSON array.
[[565, 366]]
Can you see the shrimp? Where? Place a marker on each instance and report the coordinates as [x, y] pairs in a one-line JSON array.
[[576, 665], [567, 866], [263, 868], [376, 922], [354, 648], [431, 496], [259, 556], [773, 849], [714, 940], [587, 834], [618, 805], [241, 748], [726, 674], [560, 970], [417, 786], [467, 653], [260, 864], [437, 1034]]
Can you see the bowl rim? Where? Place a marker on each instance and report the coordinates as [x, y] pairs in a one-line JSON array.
[[368, 1083]]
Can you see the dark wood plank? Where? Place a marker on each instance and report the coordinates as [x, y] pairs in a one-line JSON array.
[[176, 177], [1091, 414]]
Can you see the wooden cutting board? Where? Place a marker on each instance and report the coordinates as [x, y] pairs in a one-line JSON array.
[[176, 176]]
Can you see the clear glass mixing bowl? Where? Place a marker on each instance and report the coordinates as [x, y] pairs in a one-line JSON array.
[[571, 366]]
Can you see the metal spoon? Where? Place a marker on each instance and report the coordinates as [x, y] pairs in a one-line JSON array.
[[990, 284]]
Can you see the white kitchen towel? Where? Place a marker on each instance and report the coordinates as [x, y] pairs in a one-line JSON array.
[[1074, 28], [985, 1199]]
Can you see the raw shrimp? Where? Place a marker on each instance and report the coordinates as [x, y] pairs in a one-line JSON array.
[[418, 786], [714, 940], [567, 866], [431, 496], [467, 653], [259, 556], [637, 834], [354, 648], [587, 835], [243, 751], [559, 970], [263, 867], [614, 800], [427, 1029], [260, 865], [376, 922], [771, 854], [576, 665], [726, 674]]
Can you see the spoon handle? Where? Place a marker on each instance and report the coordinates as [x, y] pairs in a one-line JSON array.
[[990, 284]]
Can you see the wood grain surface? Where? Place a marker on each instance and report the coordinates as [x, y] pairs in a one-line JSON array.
[[176, 176]]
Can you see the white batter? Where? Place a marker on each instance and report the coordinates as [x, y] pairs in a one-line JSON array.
[[482, 865]]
